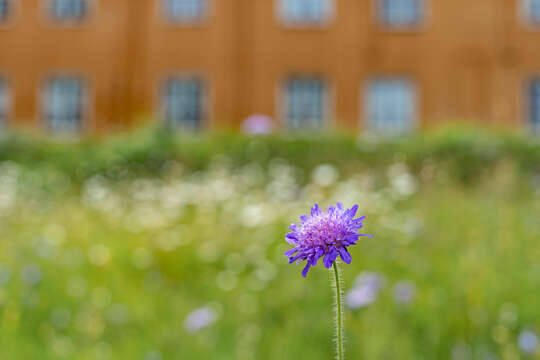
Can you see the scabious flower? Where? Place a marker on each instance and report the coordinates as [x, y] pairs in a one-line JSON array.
[[324, 234], [366, 290], [528, 342], [404, 292], [199, 319]]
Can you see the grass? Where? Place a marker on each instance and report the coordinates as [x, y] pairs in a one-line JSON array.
[[110, 268]]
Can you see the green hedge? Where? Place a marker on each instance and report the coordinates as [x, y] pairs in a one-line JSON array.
[[467, 153]]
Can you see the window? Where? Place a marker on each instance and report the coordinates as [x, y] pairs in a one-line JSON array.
[[186, 10], [534, 104], [391, 105], [68, 10], [305, 11], [183, 102], [3, 102], [305, 103], [401, 13], [532, 11], [5, 8], [63, 104]]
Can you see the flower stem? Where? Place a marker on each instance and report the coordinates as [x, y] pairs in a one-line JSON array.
[[339, 317]]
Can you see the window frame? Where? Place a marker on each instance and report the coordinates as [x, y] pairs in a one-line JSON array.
[[86, 102], [525, 18], [417, 27], [12, 15], [51, 21], [160, 104], [5, 81], [327, 102], [367, 123], [529, 125], [305, 25], [9, 9], [203, 21]]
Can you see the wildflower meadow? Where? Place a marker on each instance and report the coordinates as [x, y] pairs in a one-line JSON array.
[[156, 247]]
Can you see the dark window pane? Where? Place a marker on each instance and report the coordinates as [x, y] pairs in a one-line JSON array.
[[401, 13], [3, 102], [186, 10], [68, 9], [533, 10], [4, 9], [183, 102], [305, 103], [63, 104], [305, 11], [391, 105], [534, 101]]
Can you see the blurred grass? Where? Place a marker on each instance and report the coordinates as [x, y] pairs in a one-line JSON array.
[[105, 248], [466, 152]]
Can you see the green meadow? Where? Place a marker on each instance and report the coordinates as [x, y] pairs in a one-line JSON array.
[[157, 246]]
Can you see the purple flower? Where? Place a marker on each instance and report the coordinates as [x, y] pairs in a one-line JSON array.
[[258, 124], [360, 296], [404, 292], [528, 342], [366, 290], [199, 319], [325, 235]]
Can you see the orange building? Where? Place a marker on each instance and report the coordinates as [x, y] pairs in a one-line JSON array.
[[386, 65]]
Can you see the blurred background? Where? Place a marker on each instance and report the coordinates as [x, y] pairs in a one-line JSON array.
[[154, 152]]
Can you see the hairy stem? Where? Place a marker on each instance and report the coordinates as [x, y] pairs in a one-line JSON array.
[[339, 315]]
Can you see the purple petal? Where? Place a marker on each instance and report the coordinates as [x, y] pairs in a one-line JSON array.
[[369, 236], [293, 227], [296, 257], [352, 211], [358, 222], [291, 252], [351, 237], [345, 256], [316, 257], [326, 261], [306, 269], [304, 218], [339, 206], [329, 258], [292, 235], [315, 210]]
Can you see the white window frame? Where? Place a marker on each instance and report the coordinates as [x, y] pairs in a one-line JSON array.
[[9, 4], [324, 103], [327, 14], [198, 124], [534, 126], [383, 18], [5, 101], [52, 16], [83, 103], [526, 14], [186, 20], [400, 127]]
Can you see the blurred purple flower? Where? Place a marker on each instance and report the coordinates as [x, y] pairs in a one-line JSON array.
[[325, 235], [199, 319], [258, 124], [404, 292], [365, 291], [528, 342], [372, 280], [360, 296]]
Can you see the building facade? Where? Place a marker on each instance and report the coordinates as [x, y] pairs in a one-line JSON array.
[[390, 66]]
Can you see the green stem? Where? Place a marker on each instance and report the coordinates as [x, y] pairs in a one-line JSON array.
[[339, 319]]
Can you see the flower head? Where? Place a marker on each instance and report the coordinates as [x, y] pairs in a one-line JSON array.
[[199, 319], [324, 234]]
